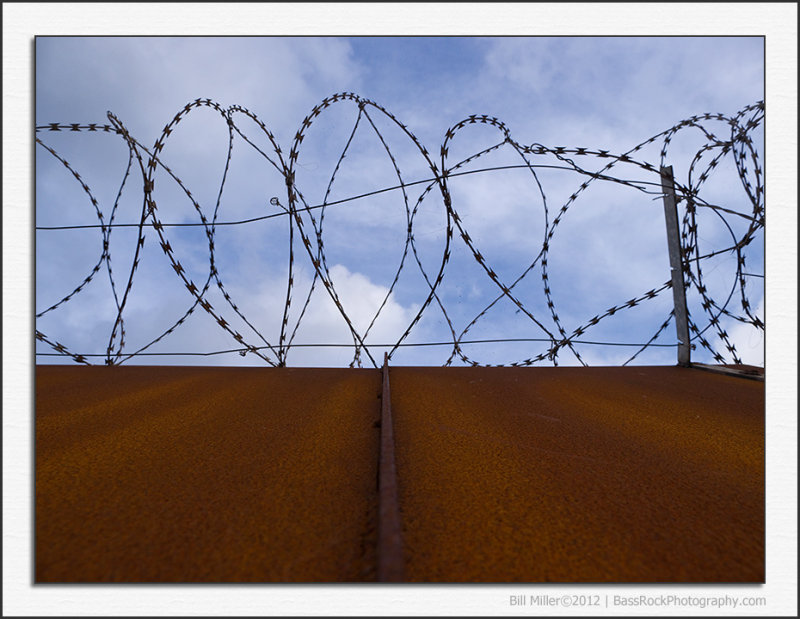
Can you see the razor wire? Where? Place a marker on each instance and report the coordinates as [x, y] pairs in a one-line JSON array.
[[305, 224]]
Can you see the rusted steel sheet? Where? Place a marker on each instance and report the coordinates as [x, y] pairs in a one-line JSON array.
[[177, 474], [168, 474], [390, 542], [635, 474]]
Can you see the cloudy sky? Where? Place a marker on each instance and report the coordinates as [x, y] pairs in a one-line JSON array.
[[609, 246]]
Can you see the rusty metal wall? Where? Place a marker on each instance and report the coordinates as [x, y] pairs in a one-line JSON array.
[[580, 474], [190, 474], [171, 474]]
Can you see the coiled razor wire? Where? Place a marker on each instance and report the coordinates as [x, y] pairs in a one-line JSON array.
[[306, 222]]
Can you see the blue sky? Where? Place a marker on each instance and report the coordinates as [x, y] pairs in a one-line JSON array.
[[609, 93]]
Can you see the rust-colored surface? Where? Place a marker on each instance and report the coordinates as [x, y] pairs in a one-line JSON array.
[[178, 474], [580, 474], [192, 474]]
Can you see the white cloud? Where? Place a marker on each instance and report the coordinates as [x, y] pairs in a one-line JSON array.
[[748, 340], [632, 86], [145, 81], [323, 323]]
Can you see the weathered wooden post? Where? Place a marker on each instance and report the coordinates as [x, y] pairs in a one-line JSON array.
[[676, 266]]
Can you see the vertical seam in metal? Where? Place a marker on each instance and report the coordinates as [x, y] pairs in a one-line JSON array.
[[390, 540]]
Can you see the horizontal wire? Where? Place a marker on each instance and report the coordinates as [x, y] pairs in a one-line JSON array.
[[316, 206], [330, 345]]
